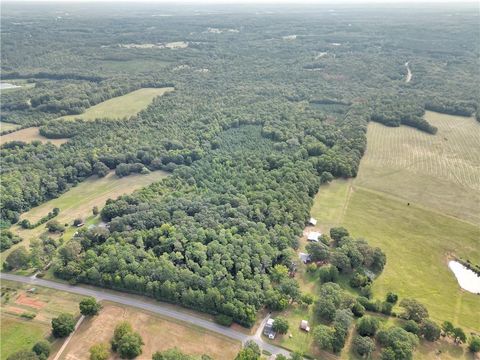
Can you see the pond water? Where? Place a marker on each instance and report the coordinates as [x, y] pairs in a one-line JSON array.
[[8, 86], [467, 279]]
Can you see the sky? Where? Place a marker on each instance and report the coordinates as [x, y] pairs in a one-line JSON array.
[[311, 2]]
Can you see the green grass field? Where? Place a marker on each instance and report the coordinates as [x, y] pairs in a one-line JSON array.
[[418, 244], [441, 172], [79, 201], [5, 126], [18, 333], [122, 106]]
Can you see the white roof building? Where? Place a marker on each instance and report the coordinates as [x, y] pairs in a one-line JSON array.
[[312, 221], [305, 258], [313, 236], [304, 325]]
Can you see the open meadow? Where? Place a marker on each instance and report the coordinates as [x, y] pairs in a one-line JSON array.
[[18, 332], [28, 135], [121, 106], [79, 201], [418, 244], [439, 171], [158, 333]]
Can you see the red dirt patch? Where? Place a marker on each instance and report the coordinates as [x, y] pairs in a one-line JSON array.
[[14, 310], [23, 299]]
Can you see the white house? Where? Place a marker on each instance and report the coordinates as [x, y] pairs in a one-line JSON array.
[[312, 221], [313, 236]]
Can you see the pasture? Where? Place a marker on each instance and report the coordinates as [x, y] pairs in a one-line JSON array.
[[418, 243], [441, 172], [122, 106], [28, 135], [79, 201], [157, 332], [18, 333]]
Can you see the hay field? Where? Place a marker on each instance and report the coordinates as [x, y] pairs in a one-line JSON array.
[[157, 332], [28, 135], [441, 172], [121, 106]]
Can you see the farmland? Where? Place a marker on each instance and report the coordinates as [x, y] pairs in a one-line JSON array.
[[28, 135], [250, 110], [152, 328], [418, 243], [415, 236], [441, 172], [79, 201], [19, 333], [121, 106]]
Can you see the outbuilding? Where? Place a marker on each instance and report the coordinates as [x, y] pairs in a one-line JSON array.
[[268, 329], [304, 325], [312, 221], [313, 236], [305, 258]]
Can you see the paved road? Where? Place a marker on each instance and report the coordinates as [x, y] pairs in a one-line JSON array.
[[157, 308]]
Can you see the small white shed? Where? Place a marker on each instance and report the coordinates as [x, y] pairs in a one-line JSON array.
[[313, 236], [312, 221], [304, 326]]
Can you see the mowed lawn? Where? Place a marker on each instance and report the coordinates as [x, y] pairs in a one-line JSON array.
[[121, 106], [79, 201], [439, 171], [158, 334], [18, 333], [28, 135], [418, 243]]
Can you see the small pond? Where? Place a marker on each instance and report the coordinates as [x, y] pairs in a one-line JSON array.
[[467, 279]]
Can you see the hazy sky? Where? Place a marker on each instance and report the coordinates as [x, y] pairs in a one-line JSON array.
[[199, 2]]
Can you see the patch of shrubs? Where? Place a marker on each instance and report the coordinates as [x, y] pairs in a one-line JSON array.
[[7, 239], [224, 320], [40, 351], [28, 315], [27, 225]]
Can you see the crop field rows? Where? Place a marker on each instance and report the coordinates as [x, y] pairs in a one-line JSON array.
[[447, 155], [439, 172]]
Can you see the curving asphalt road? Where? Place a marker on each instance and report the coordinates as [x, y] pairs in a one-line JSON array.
[[158, 308]]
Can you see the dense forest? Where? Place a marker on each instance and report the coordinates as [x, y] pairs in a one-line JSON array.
[[264, 110]]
